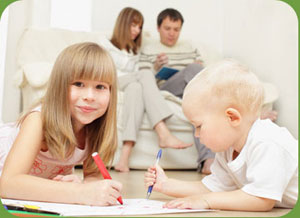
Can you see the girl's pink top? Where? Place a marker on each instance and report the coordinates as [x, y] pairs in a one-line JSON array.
[[44, 165]]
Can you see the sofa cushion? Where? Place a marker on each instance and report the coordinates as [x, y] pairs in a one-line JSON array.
[[37, 74]]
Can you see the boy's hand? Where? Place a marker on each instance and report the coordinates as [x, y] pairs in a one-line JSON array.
[[161, 59], [67, 178], [192, 202], [155, 176]]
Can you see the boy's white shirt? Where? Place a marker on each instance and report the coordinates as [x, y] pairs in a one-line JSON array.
[[266, 167]]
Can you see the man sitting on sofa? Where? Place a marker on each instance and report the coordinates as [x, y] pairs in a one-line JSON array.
[[168, 51]]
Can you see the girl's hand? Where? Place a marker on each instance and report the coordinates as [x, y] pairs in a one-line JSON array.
[[67, 178], [155, 176], [192, 202], [100, 193]]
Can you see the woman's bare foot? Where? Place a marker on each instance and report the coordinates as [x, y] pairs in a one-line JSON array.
[[120, 167], [206, 166], [171, 141], [123, 164], [166, 139]]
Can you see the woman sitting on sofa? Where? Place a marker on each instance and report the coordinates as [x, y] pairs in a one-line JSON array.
[[140, 90]]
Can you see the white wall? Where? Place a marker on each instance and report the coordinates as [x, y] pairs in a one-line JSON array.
[[3, 37], [17, 20], [261, 33], [203, 18], [265, 37], [77, 17]]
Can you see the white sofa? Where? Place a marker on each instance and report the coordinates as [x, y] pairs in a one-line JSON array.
[[37, 51]]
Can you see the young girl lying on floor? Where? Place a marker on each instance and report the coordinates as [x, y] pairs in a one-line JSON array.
[[76, 117]]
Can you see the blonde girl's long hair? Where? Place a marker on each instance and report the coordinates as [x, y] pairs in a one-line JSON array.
[[122, 31], [80, 61]]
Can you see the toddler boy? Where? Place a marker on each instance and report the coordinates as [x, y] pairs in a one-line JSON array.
[[256, 163]]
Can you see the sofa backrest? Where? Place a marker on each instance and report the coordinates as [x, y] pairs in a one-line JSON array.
[[44, 45]]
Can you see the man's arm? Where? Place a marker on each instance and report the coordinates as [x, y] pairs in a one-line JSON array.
[[146, 62], [198, 59]]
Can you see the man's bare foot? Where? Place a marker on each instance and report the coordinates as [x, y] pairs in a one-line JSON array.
[[172, 141], [121, 168], [272, 115], [206, 166]]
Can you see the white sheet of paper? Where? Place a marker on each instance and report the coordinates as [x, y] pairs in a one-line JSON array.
[[130, 207]]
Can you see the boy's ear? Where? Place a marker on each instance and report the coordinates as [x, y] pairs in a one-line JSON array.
[[234, 116]]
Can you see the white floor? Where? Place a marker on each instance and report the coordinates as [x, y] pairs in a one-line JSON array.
[[133, 187]]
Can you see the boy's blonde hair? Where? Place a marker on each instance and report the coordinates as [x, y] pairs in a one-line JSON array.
[[122, 31], [232, 81], [79, 61]]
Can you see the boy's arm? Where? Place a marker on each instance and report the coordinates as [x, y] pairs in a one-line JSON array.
[[238, 200], [179, 188]]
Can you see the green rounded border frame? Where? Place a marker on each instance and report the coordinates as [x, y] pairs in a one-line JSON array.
[[295, 4]]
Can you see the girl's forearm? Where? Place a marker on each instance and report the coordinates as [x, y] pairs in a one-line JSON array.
[[91, 179], [237, 200], [179, 188], [29, 187]]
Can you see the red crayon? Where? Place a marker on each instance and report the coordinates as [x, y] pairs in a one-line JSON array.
[[103, 170]]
